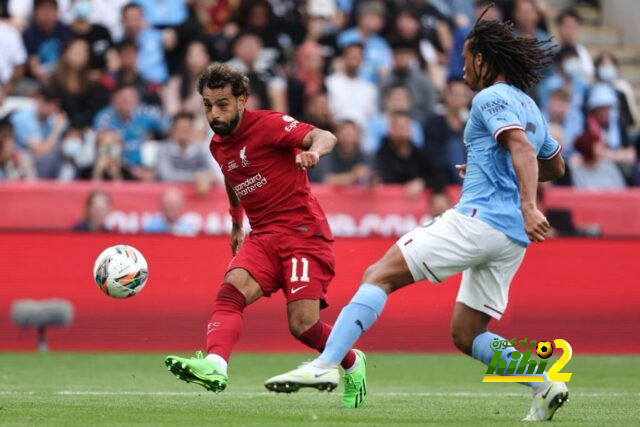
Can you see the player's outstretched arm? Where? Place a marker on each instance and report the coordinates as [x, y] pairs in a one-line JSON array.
[[525, 164], [317, 143], [237, 217], [551, 169]]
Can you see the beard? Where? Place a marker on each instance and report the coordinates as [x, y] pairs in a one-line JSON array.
[[225, 129]]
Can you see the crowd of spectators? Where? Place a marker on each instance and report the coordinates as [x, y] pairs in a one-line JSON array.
[[105, 89]]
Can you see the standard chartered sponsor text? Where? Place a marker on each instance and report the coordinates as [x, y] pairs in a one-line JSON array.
[[250, 185]]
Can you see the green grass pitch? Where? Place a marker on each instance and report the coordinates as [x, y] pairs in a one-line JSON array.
[[95, 389]]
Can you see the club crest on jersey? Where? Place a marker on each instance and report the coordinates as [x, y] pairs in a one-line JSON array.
[[243, 157]]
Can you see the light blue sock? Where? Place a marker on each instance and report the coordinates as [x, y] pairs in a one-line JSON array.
[[483, 352], [355, 318]]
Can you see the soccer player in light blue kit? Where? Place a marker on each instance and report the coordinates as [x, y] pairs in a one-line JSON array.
[[485, 236]]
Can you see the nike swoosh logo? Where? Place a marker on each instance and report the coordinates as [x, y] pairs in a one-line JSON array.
[[544, 396], [321, 375], [294, 290]]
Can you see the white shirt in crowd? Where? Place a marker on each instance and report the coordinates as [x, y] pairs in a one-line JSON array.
[[353, 99], [12, 51]]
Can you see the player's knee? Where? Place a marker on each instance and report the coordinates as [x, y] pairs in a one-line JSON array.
[[374, 275], [462, 339], [244, 283], [300, 324]]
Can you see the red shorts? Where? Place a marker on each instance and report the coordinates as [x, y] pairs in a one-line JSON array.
[[301, 266]]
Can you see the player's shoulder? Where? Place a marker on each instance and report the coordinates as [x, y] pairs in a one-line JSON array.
[[275, 121], [495, 98], [271, 117]]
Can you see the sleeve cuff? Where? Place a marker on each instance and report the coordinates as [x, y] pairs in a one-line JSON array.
[[555, 153], [507, 127]]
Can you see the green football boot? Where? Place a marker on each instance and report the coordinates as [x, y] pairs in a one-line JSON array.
[[198, 370], [355, 384]]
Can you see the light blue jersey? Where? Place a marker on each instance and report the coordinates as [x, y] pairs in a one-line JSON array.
[[490, 189]]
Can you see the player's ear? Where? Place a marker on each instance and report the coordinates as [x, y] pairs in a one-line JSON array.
[[477, 60], [242, 101]]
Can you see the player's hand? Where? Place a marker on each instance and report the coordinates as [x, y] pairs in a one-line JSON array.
[[307, 160], [462, 170], [535, 224], [237, 237]]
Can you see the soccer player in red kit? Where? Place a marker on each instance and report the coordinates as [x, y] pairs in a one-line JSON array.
[[264, 156]]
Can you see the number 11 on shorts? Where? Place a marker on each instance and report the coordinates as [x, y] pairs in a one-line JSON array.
[[294, 270]]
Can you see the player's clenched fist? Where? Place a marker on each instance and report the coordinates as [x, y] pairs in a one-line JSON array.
[[535, 224], [307, 160]]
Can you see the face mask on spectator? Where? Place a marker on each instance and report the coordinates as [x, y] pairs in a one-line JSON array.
[[71, 148], [572, 67], [82, 9], [607, 73]]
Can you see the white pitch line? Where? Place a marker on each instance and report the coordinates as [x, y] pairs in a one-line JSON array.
[[17, 392], [266, 393]]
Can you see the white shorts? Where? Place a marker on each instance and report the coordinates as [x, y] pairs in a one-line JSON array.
[[452, 243]]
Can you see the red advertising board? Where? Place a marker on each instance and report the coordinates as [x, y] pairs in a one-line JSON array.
[[353, 211], [584, 291]]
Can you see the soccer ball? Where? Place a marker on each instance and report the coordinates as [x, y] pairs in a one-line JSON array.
[[120, 271], [544, 349]]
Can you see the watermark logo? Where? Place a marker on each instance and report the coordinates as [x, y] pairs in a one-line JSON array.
[[519, 367]]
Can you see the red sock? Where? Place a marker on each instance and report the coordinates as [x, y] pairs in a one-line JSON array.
[[224, 327], [316, 337]]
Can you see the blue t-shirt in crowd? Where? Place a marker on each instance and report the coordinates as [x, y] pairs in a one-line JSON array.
[[144, 121], [151, 62], [164, 12], [46, 46], [377, 53]]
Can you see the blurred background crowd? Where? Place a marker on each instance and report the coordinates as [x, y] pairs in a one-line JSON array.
[[105, 89]]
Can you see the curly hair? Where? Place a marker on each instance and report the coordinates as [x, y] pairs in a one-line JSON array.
[[218, 75], [520, 59]]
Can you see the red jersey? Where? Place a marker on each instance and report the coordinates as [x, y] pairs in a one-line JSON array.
[[258, 162]]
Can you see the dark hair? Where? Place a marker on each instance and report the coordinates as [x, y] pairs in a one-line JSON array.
[[63, 72], [48, 94], [395, 86], [344, 48], [123, 86], [604, 54], [568, 13], [186, 79], [520, 59], [399, 43], [92, 196], [5, 125], [186, 115], [38, 3], [246, 7], [125, 43], [130, 5], [218, 75], [563, 53]]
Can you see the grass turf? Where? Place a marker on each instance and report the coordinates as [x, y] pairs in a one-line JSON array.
[[404, 389]]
